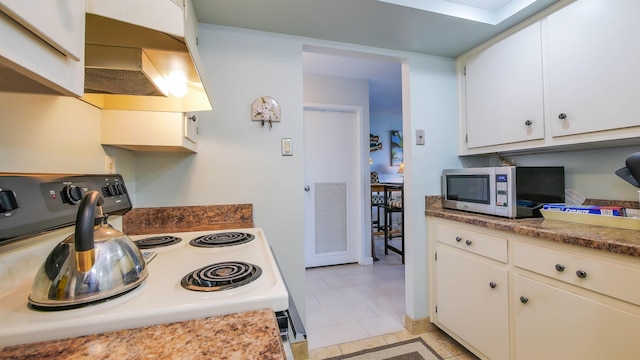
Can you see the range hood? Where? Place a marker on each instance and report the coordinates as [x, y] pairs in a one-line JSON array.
[[132, 51], [122, 71]]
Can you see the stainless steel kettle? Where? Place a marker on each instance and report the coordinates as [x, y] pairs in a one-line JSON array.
[[97, 262]]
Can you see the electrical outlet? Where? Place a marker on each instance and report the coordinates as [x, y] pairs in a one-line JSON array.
[[109, 164]]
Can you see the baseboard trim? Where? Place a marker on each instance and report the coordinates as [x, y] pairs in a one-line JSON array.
[[300, 350], [418, 326]]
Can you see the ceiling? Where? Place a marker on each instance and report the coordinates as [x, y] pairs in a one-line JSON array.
[[373, 23], [363, 22]]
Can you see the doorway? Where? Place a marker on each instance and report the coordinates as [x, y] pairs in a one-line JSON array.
[[332, 76], [374, 82]]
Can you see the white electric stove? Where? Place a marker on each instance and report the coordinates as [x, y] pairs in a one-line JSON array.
[[161, 298]]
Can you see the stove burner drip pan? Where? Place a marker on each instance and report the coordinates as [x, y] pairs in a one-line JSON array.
[[221, 276], [222, 239], [157, 241], [37, 307]]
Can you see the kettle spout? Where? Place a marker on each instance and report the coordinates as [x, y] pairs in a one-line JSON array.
[[84, 242]]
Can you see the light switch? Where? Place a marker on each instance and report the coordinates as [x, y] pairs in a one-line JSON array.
[[286, 147], [419, 137]]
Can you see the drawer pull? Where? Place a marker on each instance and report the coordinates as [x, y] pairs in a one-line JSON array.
[[468, 242], [560, 267], [458, 238], [524, 299], [493, 285], [581, 274]]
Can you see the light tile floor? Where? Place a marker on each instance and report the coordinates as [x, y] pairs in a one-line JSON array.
[[354, 307]]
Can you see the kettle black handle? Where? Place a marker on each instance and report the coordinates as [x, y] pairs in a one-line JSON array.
[[85, 220]]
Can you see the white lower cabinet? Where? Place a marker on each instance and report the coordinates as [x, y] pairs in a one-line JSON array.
[[551, 323], [507, 296], [472, 301], [471, 287]]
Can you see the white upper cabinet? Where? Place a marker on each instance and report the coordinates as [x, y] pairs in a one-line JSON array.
[[504, 91], [150, 130], [593, 56], [42, 48], [565, 79]]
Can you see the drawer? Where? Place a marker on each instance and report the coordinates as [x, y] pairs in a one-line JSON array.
[[606, 277], [473, 241]]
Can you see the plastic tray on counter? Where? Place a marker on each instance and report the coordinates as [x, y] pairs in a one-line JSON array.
[[621, 222]]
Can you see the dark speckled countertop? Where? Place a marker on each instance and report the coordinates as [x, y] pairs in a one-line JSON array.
[[609, 239], [247, 335]]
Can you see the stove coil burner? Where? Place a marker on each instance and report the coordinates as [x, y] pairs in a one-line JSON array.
[[222, 239], [157, 241], [221, 276]]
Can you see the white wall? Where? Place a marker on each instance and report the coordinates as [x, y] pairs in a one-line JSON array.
[[429, 103], [239, 160], [337, 90], [589, 172], [54, 134]]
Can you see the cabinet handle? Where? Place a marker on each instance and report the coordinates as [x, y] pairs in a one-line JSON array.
[[493, 285], [458, 238], [524, 299], [562, 116], [468, 242], [560, 267], [528, 122], [581, 274]]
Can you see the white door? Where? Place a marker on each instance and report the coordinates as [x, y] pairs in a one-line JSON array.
[[333, 196]]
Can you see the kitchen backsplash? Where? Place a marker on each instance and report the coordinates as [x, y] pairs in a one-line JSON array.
[[187, 218]]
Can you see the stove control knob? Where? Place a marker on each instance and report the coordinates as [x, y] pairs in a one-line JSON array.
[[72, 194], [8, 201]]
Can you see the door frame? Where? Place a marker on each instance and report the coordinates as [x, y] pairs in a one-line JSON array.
[[363, 231]]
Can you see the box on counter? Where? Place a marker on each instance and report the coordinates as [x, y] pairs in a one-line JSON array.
[[587, 209]]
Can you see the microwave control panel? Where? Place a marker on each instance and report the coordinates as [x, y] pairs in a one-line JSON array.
[[502, 193]]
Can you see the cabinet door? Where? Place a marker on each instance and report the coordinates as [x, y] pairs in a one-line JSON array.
[[557, 324], [42, 47], [504, 91], [191, 127], [593, 53], [56, 22], [471, 298]]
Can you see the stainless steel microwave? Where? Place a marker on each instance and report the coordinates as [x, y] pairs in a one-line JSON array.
[[508, 191]]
